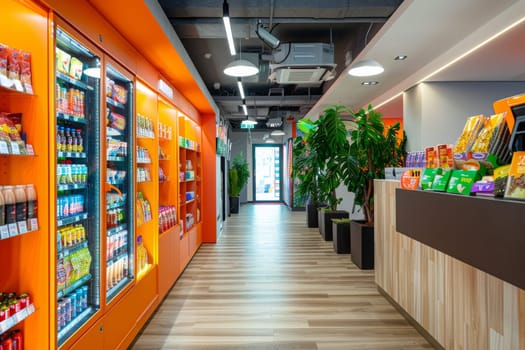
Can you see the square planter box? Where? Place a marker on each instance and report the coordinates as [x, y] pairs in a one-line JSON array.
[[312, 216], [362, 245], [341, 235], [325, 223]]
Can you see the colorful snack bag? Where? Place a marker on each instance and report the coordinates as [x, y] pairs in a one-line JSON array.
[[63, 60], [75, 68], [4, 52], [25, 71]]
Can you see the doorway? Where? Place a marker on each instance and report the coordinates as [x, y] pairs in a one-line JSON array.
[[267, 173]]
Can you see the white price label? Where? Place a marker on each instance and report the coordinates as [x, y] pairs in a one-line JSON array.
[[33, 224], [30, 150], [13, 230], [5, 325], [14, 148], [22, 227], [4, 232], [3, 148], [18, 85]]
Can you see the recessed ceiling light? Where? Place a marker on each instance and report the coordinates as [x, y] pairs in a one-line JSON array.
[[400, 57], [369, 83]]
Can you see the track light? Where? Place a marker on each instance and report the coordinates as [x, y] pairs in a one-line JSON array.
[[228, 27], [241, 89], [277, 133], [267, 37]]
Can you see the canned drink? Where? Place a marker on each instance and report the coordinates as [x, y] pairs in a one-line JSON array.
[[67, 309], [5, 313], [73, 299], [78, 306], [25, 300], [84, 297]]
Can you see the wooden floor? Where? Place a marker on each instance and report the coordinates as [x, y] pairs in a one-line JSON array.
[[272, 283]]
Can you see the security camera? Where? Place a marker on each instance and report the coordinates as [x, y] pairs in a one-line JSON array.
[[267, 37]]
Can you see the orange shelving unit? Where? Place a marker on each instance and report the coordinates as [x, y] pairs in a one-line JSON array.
[[24, 258], [169, 228], [190, 193], [118, 303]]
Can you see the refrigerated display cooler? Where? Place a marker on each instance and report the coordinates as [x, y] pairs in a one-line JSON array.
[[78, 185], [119, 181]]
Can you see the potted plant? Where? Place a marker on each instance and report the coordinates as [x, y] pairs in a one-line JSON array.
[[305, 169], [238, 176], [372, 148], [341, 235], [329, 143]]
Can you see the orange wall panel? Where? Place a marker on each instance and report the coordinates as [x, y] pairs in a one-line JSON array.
[[209, 190]]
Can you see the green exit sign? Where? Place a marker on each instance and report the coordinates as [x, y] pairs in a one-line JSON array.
[[247, 126]]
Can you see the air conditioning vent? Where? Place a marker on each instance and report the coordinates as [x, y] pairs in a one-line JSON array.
[[302, 64]]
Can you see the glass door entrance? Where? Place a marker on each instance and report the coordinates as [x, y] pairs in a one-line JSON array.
[[267, 172]]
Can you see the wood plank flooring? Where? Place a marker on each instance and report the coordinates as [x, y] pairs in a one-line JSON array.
[[272, 283]]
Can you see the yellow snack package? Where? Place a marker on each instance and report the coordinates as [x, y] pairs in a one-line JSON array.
[[470, 132]]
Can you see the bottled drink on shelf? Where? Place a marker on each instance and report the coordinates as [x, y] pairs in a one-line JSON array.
[[80, 141], [21, 203], [10, 205]]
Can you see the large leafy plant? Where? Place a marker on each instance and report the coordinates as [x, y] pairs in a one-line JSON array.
[[372, 148], [238, 175], [320, 156]]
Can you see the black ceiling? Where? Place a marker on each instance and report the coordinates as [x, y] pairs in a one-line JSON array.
[[348, 25]]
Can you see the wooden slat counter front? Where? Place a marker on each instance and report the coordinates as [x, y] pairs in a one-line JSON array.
[[460, 306]]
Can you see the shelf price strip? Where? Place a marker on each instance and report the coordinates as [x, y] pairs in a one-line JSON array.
[[16, 318]]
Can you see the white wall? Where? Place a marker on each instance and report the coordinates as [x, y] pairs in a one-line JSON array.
[[436, 113]]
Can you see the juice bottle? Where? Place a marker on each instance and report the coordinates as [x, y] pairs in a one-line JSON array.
[[69, 137], [10, 205], [2, 208], [59, 140], [80, 141], [32, 203], [21, 203], [63, 140]]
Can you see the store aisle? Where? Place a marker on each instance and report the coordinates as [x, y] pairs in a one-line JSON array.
[[272, 283]]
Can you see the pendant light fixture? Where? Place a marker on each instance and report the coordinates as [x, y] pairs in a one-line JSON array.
[[241, 68], [249, 121], [277, 133], [366, 68]]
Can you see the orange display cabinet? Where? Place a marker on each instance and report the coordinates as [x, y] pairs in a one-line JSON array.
[[190, 191], [169, 228], [146, 200], [24, 253]]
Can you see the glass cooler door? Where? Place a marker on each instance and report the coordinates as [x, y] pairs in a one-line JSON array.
[[77, 184], [119, 181]]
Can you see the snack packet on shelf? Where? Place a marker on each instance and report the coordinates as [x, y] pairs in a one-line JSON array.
[[469, 133], [75, 68], [63, 60], [516, 180], [25, 71], [486, 135], [501, 175], [4, 52]]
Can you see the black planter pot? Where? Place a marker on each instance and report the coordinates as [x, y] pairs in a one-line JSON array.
[[312, 217], [325, 223], [341, 235], [362, 245], [234, 205]]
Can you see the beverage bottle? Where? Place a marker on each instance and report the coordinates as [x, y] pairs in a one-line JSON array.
[[10, 205], [82, 100], [74, 142], [2, 208], [69, 142], [21, 203], [32, 203], [59, 140], [63, 140], [80, 141]]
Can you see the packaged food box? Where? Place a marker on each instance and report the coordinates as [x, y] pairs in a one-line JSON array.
[[516, 180], [440, 182], [484, 187], [63, 60], [501, 175], [461, 181], [120, 94], [75, 68], [410, 179], [428, 177]]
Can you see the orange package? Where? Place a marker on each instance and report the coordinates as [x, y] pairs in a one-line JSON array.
[[13, 64], [25, 71], [3, 59]]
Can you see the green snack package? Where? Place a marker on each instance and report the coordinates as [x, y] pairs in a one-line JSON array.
[[461, 181], [440, 182], [428, 177]]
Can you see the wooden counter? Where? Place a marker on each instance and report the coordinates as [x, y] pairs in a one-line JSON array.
[[460, 306]]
